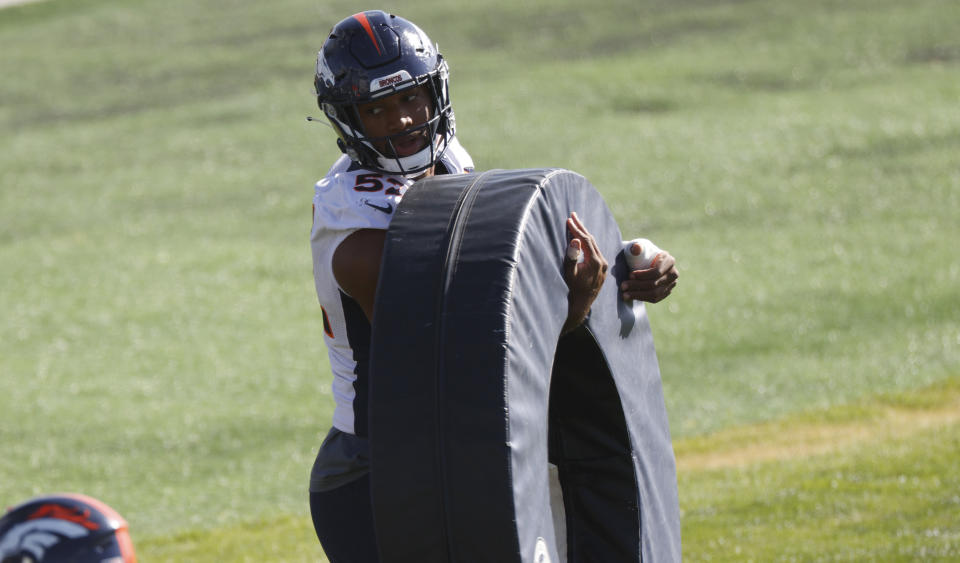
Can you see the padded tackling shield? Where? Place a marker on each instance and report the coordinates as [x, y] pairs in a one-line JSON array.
[[470, 382]]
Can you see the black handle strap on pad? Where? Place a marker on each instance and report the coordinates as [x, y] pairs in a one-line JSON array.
[[465, 345]]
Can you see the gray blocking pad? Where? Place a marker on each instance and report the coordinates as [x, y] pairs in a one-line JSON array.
[[472, 389]]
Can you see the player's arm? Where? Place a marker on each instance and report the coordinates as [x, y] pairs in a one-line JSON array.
[[356, 266], [584, 277], [652, 284]]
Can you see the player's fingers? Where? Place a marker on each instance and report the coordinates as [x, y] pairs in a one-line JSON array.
[[579, 231], [571, 257], [593, 259], [589, 240], [604, 265], [649, 295], [664, 262], [591, 248], [575, 226], [648, 274], [648, 279], [635, 285], [667, 269], [669, 277]]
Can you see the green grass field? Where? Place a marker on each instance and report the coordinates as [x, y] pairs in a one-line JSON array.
[[160, 343]]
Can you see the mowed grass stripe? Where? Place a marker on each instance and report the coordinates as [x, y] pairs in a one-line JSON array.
[[884, 418], [288, 538], [892, 499]]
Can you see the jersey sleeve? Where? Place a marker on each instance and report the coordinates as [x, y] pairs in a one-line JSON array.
[[338, 204], [345, 200]]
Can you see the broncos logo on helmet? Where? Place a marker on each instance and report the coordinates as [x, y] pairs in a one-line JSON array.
[[33, 537], [61, 528]]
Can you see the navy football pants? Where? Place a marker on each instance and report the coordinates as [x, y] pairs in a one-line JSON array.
[[343, 519]]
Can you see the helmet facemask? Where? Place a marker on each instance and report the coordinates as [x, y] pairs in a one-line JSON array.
[[363, 148]]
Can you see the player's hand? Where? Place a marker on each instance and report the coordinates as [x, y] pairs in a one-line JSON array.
[[584, 276], [653, 284]]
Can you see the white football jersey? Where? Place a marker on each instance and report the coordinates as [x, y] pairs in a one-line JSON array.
[[349, 198]]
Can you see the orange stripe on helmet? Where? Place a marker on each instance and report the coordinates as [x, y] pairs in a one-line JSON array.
[[122, 533], [56, 511], [103, 507], [126, 546], [362, 18]]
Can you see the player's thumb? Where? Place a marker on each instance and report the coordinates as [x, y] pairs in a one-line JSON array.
[[573, 256]]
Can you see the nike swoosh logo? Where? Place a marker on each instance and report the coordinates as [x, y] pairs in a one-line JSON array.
[[385, 208]]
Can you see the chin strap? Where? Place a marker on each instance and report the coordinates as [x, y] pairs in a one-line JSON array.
[[351, 153]]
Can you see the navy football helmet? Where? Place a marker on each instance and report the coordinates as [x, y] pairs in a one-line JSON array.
[[64, 528], [371, 55]]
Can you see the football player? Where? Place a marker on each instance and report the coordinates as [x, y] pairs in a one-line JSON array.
[[384, 88]]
